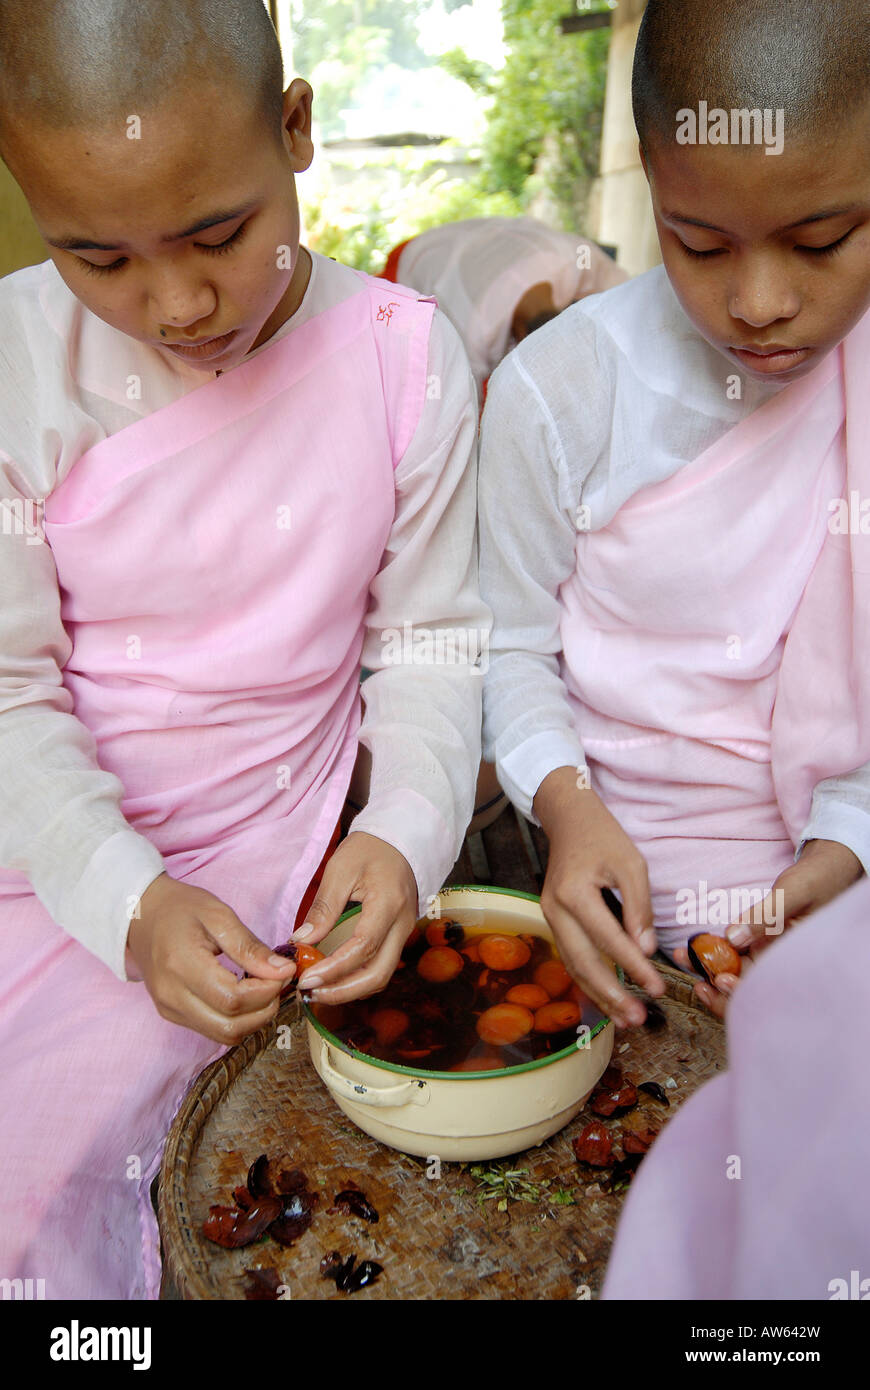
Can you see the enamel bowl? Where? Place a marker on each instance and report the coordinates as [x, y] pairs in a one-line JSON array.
[[462, 1116]]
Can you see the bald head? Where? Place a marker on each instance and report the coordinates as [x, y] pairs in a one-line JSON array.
[[87, 63], [808, 58]]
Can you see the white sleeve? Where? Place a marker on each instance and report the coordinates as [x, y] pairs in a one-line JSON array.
[[426, 628], [60, 817], [841, 811], [527, 550]]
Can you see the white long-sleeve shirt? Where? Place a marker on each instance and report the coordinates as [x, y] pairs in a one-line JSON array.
[[616, 394], [60, 817]]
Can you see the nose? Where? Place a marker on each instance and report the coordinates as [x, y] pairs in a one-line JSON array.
[[763, 292], [180, 299]]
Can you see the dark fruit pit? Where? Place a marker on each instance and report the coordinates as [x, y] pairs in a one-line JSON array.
[[352, 1202]]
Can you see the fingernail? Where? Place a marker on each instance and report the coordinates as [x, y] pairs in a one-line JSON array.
[[281, 960], [726, 983], [312, 981], [739, 935], [302, 934], [648, 940]]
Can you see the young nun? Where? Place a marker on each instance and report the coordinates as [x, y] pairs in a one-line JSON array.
[[678, 688], [228, 478]]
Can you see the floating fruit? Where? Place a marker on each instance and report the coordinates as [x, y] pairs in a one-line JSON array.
[[505, 1023], [553, 977], [576, 993], [440, 964], [389, 1025], [555, 1017], [442, 932], [712, 955], [504, 952], [488, 1062], [533, 996]]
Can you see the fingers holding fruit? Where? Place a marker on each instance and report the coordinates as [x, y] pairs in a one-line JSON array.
[[367, 870], [718, 964], [587, 931], [176, 942]]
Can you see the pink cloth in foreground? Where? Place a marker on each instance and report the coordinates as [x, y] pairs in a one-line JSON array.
[[715, 643], [216, 658], [792, 1107]]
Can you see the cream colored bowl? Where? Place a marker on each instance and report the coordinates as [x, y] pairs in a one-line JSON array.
[[462, 1116]]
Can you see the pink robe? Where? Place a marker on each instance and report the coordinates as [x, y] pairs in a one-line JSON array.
[[215, 560], [714, 645], [757, 1189]]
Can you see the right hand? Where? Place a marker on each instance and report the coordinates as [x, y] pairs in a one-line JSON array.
[[175, 940], [589, 851]]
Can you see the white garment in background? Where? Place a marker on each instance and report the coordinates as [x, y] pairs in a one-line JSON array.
[[479, 270]]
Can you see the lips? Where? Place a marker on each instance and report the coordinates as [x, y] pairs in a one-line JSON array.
[[770, 351], [204, 349], [771, 359]]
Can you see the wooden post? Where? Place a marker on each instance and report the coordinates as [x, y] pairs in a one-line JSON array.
[[282, 20], [625, 218]]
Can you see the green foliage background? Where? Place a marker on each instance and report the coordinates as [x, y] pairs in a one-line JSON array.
[[546, 101], [552, 85]]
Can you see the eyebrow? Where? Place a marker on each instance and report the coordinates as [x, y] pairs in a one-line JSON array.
[[72, 243], [801, 222]]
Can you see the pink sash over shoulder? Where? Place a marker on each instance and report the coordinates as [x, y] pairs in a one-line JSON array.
[[715, 645], [215, 560]]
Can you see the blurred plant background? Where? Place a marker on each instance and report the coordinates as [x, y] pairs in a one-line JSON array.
[[430, 111]]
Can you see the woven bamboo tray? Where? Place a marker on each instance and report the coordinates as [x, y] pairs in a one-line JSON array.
[[436, 1238]]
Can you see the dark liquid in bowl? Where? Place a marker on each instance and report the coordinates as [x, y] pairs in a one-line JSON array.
[[432, 1024]]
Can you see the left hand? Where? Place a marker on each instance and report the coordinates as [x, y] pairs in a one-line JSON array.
[[366, 870], [825, 869]]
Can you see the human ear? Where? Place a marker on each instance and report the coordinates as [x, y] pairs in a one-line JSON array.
[[297, 124]]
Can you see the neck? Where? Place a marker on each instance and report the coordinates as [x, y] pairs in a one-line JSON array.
[[289, 301]]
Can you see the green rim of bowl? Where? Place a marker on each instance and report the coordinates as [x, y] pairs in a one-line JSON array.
[[418, 1072]]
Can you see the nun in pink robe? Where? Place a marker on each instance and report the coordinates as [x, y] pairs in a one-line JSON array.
[[757, 1189], [233, 683]]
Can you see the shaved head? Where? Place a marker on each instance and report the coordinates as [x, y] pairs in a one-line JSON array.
[[808, 58], [86, 63]]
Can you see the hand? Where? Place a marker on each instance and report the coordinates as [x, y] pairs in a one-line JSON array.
[[589, 851], [824, 870], [175, 940], [366, 870]]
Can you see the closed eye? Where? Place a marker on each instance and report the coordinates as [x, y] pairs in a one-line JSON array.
[[831, 249], [702, 255], [220, 249]]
